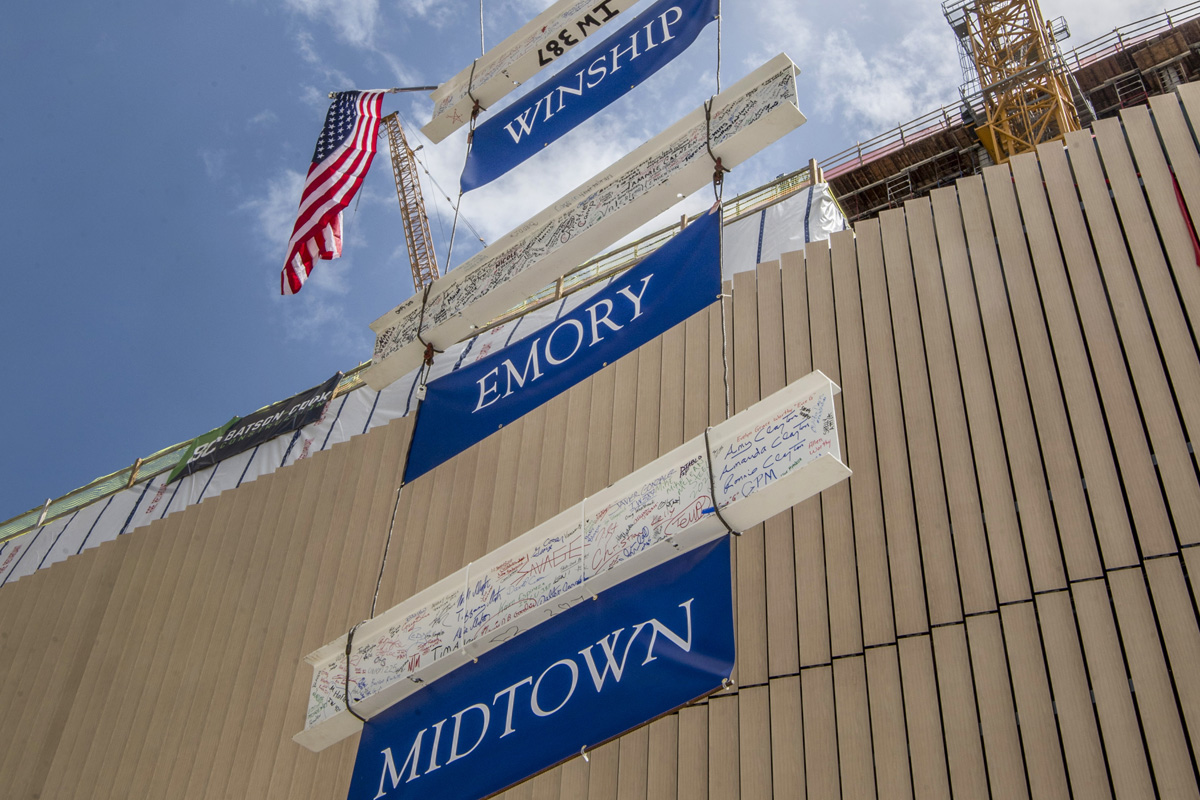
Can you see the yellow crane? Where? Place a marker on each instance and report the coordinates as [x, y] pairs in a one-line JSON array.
[[421, 255], [1022, 80]]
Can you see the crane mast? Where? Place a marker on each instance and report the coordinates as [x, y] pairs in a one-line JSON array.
[[412, 206], [1021, 77]]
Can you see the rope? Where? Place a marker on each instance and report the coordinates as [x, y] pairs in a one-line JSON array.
[[470, 141], [712, 485], [719, 169], [718, 45], [349, 648], [430, 350]]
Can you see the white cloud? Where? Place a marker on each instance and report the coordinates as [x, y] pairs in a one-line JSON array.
[[214, 163], [263, 119], [893, 84], [275, 211], [354, 21]]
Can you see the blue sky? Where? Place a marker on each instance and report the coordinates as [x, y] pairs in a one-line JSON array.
[[154, 183]]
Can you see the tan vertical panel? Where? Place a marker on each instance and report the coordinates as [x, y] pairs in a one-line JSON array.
[[745, 340], [888, 737], [380, 471], [599, 428], [903, 550], [958, 470], [1104, 488], [854, 727], [1177, 620], [574, 779], [987, 440], [787, 738], [433, 533], [579, 410], [672, 389], [720, 354], [1012, 399], [1075, 370], [997, 715], [632, 764], [820, 733], [1169, 218], [696, 379], [1072, 696], [922, 460], [505, 492], [1035, 708], [964, 749], [922, 717], [1110, 689], [1150, 269], [144, 626], [35, 652], [841, 574], [782, 653], [808, 537], [1152, 685], [750, 565], [529, 465], [554, 445], [1053, 432], [754, 742], [136, 771], [724, 768], [204, 664], [21, 599], [400, 574], [230, 640], [57, 688], [602, 771], [870, 543], [212, 520], [772, 371], [454, 548], [251, 624], [479, 522], [693, 752], [281, 657], [347, 553], [625, 425], [1175, 466], [662, 780], [648, 397], [1177, 136], [547, 786], [294, 766]]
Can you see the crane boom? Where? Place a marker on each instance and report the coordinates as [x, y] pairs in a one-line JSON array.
[[412, 206]]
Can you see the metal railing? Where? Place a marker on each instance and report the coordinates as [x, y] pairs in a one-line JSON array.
[[862, 153]]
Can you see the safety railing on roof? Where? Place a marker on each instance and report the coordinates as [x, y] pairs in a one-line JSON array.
[[862, 153], [1126, 36], [143, 469]]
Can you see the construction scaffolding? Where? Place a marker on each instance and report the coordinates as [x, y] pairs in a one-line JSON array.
[[1025, 88]]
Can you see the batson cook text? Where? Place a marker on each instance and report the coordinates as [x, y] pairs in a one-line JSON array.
[[246, 428], [595, 668]]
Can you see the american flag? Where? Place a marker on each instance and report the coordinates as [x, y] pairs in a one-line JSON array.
[[343, 155]]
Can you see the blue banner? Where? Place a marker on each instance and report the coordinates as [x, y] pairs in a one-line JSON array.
[[604, 74], [642, 649], [468, 405]]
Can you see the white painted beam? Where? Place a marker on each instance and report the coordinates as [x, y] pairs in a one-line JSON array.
[[769, 457], [745, 118], [517, 59]]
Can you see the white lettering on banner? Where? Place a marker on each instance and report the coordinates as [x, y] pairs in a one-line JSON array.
[[411, 763], [522, 124], [489, 384], [515, 60]]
